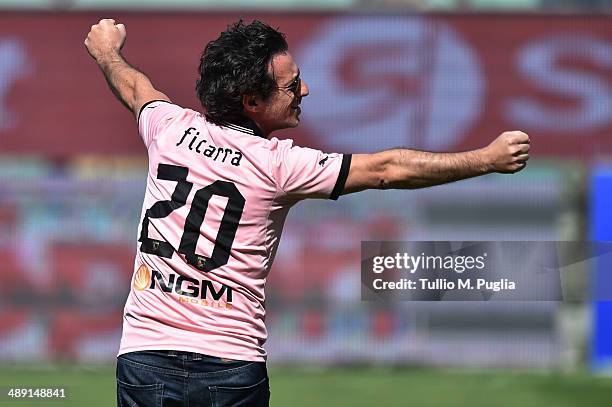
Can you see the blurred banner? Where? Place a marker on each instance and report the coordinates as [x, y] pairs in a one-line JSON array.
[[428, 82], [73, 170]]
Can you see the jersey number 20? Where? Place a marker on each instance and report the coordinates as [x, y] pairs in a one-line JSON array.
[[195, 218]]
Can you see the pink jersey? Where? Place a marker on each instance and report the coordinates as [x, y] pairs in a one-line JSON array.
[[213, 212]]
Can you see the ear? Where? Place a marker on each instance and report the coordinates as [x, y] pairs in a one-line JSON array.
[[250, 103]]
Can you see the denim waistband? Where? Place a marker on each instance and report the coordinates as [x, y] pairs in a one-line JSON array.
[[187, 364], [184, 355]]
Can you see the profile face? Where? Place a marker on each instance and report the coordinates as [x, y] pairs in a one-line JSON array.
[[281, 109]]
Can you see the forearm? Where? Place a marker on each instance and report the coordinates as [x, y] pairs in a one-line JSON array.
[[410, 169], [124, 80]]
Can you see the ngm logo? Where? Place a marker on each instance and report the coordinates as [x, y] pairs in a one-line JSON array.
[[190, 290]]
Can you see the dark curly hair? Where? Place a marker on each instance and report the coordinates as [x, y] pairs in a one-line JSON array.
[[236, 64]]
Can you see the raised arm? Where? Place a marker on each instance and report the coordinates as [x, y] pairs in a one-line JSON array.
[[410, 169], [132, 87]]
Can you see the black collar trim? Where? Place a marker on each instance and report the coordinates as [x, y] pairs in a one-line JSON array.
[[252, 130]]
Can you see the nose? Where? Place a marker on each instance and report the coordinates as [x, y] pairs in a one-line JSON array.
[[303, 89]]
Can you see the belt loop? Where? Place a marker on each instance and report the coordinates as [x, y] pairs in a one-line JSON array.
[[197, 356], [172, 353]]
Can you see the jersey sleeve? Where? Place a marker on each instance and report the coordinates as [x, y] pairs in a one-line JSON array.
[[154, 116], [302, 172]]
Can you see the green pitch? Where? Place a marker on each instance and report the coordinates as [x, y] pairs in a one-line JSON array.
[[354, 387]]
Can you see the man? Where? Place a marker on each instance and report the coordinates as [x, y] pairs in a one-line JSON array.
[[218, 191]]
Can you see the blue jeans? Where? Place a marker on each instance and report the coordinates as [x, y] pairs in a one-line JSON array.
[[174, 378]]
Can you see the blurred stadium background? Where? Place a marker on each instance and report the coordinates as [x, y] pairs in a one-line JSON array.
[[429, 74]]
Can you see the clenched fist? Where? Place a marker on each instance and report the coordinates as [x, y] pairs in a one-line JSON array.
[[508, 153], [105, 39]]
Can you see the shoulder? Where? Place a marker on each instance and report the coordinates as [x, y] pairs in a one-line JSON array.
[[164, 108]]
